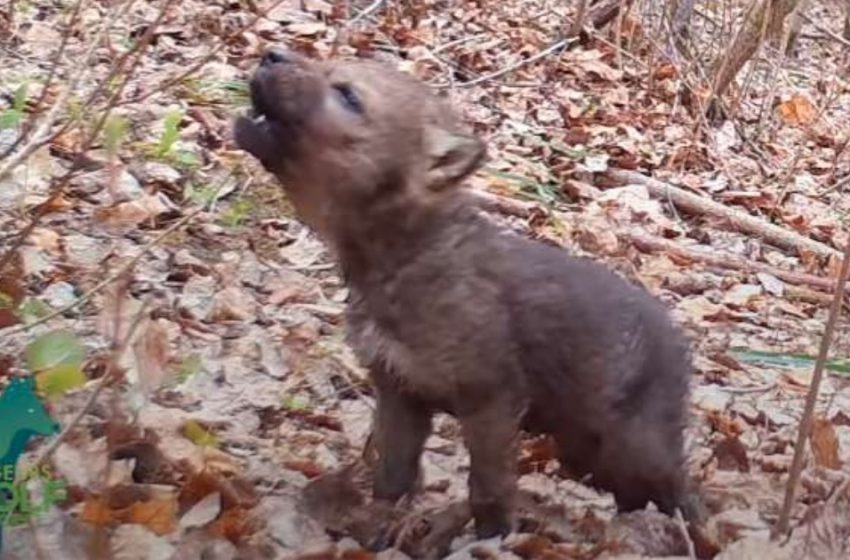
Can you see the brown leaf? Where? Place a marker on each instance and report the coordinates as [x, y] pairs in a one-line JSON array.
[[307, 468], [824, 444], [126, 215], [159, 515], [97, 512], [151, 350], [235, 525], [731, 455], [797, 111], [12, 290]]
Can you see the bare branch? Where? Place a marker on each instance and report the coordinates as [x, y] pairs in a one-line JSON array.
[[805, 426]]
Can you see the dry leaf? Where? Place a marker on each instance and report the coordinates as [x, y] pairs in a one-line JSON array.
[[797, 111], [824, 444], [234, 524], [159, 515], [97, 512], [151, 350], [308, 28], [126, 215]]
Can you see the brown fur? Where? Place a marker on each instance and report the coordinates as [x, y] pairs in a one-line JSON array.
[[450, 313]]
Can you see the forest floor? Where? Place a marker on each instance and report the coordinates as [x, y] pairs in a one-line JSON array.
[[215, 384]]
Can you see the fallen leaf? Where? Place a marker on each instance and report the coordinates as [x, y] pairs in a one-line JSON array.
[[97, 512], [151, 350], [824, 442], [797, 111], [159, 515]]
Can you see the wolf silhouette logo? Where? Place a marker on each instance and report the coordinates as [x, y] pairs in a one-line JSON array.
[[22, 416]]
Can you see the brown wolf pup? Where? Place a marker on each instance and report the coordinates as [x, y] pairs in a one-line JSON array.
[[451, 313]]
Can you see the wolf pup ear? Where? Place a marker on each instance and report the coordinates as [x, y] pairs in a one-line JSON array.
[[452, 156]]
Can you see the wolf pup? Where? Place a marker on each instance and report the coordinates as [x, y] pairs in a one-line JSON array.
[[451, 313]]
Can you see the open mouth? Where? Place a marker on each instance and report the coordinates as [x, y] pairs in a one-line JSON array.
[[259, 132]]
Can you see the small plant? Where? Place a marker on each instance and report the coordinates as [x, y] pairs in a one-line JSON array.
[[190, 366], [6, 301], [56, 359], [164, 149], [14, 115], [226, 92], [294, 402], [114, 133], [201, 196], [237, 212], [199, 435], [31, 309], [170, 134]]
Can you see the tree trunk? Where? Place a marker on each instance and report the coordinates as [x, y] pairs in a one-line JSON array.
[[578, 22], [766, 18], [680, 22]]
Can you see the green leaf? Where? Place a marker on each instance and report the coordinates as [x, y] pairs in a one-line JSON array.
[[114, 132], [32, 309], [60, 379], [199, 435], [10, 118], [52, 349], [293, 402], [19, 102], [186, 159], [190, 365], [202, 196], [6, 301], [237, 212], [170, 133], [786, 360]]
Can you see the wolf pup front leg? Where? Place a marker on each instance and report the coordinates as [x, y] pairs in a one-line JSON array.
[[491, 434], [401, 426]]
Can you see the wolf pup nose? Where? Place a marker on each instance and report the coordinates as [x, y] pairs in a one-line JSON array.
[[451, 313]]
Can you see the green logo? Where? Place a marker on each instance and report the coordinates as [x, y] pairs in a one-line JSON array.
[[22, 416]]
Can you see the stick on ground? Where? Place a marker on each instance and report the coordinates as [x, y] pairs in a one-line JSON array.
[[740, 221], [805, 427]]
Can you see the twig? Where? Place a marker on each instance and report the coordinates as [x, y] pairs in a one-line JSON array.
[[42, 135], [54, 65], [578, 20], [826, 31], [98, 389], [645, 242], [805, 426], [740, 221], [723, 259], [43, 138], [683, 528], [557, 45], [367, 11], [222, 43], [747, 390], [109, 279]]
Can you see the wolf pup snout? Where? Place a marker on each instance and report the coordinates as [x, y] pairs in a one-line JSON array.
[[451, 313]]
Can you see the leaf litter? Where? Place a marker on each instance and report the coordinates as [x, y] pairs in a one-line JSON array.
[[250, 416]]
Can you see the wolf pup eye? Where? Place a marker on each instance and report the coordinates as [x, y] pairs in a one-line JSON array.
[[348, 98]]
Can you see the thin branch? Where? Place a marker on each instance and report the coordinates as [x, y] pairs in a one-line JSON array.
[[102, 383], [557, 45], [54, 65], [367, 11], [827, 32], [109, 279], [43, 138], [42, 135], [738, 220], [683, 529], [805, 426], [223, 42]]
